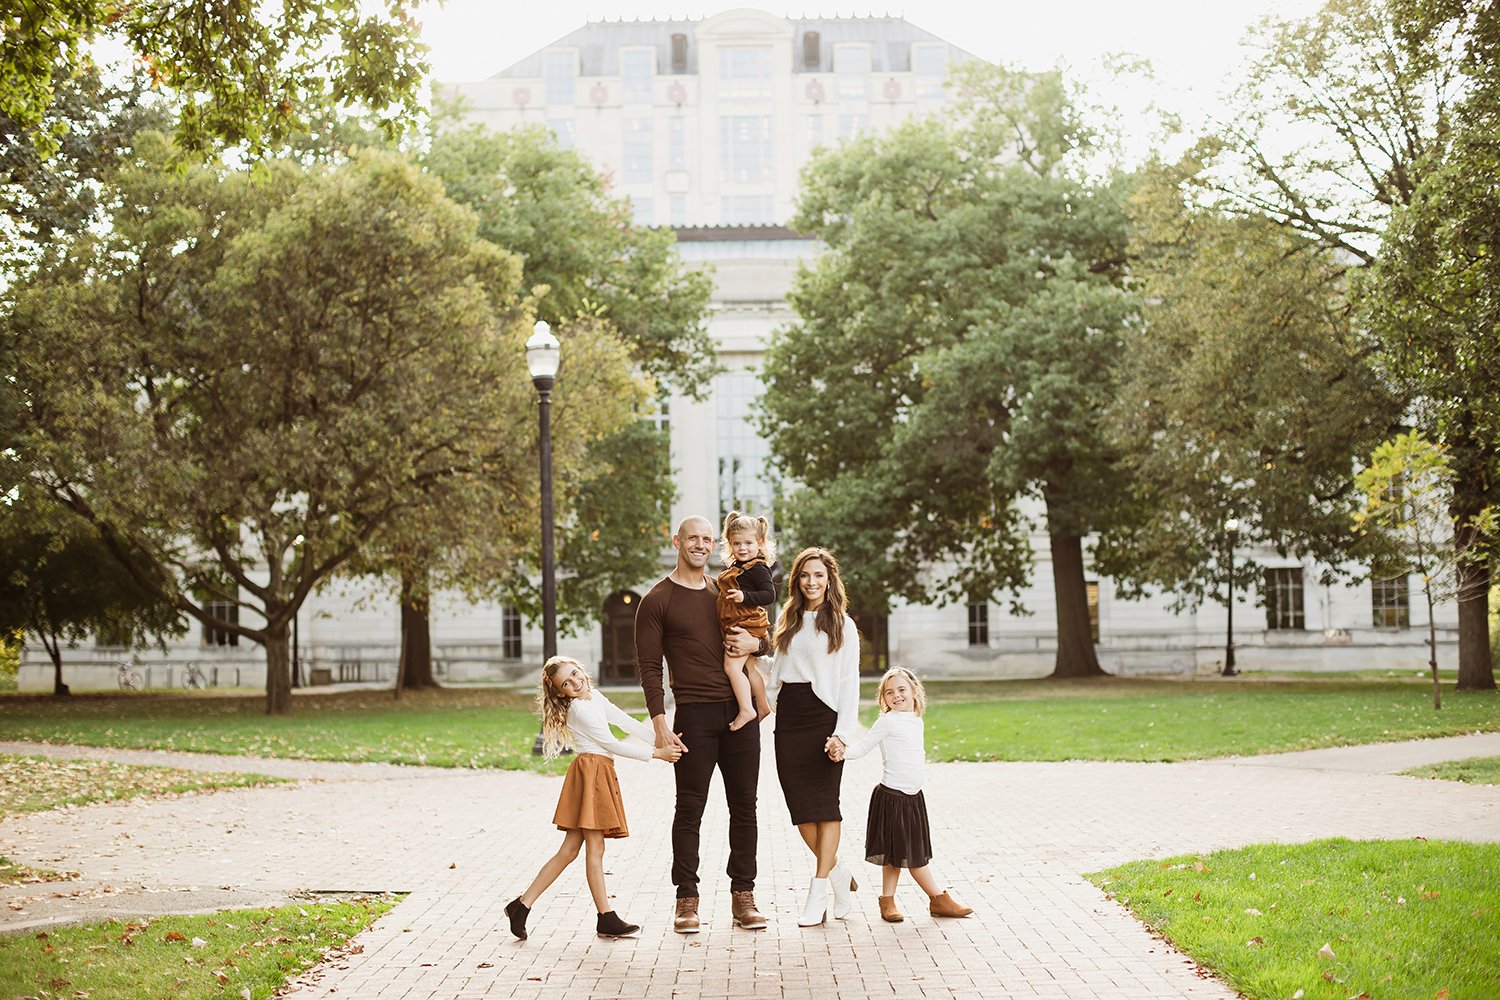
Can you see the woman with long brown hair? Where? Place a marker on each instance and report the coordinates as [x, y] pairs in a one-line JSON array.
[[815, 688]]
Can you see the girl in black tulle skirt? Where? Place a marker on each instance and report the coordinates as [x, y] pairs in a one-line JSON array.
[[897, 834]]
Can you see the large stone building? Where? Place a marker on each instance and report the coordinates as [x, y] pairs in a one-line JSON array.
[[705, 126]]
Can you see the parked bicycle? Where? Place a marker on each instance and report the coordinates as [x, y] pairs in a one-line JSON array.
[[129, 677], [193, 678]]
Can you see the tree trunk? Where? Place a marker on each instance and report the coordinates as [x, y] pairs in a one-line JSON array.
[[415, 670], [1476, 669], [1076, 656], [278, 670], [54, 650]]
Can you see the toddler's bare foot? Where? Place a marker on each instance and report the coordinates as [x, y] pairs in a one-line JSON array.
[[746, 716]]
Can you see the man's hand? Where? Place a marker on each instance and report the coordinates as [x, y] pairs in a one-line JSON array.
[[664, 735], [738, 642]]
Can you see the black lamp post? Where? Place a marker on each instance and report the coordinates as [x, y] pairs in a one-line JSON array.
[[1231, 528], [542, 355]]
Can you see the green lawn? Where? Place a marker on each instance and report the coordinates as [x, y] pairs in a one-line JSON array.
[[228, 954], [1151, 720], [1474, 771], [1393, 920], [1109, 719], [32, 784]]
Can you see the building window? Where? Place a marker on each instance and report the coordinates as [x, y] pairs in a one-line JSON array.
[[747, 210], [852, 125], [1284, 599], [814, 131], [642, 210], [1093, 598], [745, 481], [745, 73], [929, 64], [677, 209], [811, 50], [226, 608], [979, 624], [562, 129], [679, 53], [745, 148], [560, 77], [851, 65], [510, 632], [677, 143], [1390, 602], [636, 156], [636, 69]]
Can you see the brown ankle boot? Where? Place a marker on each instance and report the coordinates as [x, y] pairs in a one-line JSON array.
[[945, 905], [888, 911]]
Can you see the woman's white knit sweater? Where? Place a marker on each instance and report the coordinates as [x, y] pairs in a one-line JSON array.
[[834, 676]]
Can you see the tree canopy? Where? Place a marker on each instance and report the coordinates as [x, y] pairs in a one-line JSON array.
[[1248, 392], [246, 379], [247, 73], [954, 353]]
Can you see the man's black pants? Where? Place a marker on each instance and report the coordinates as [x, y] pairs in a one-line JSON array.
[[704, 728]]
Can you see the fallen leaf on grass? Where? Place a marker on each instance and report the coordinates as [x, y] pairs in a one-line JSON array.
[[1442, 994], [175, 936], [1326, 952], [1251, 911], [1254, 942]]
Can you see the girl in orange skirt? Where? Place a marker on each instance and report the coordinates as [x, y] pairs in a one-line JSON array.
[[589, 810]]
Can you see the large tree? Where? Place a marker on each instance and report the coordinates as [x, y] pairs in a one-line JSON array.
[[590, 266], [1432, 297], [246, 73], [954, 352], [1246, 393], [249, 376], [1343, 121], [61, 585]]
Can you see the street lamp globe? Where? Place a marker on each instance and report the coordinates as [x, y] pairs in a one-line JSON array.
[[542, 355]]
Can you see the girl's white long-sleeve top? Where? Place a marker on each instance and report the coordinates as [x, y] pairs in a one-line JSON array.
[[589, 719], [900, 736], [834, 676]]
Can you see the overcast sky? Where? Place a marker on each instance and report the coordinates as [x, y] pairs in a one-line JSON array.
[[1192, 44]]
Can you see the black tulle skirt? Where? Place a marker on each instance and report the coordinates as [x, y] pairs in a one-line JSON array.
[[809, 780], [896, 832]]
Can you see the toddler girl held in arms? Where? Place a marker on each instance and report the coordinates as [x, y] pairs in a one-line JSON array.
[[745, 591], [590, 809]]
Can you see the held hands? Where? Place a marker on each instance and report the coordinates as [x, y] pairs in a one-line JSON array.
[[669, 753], [835, 748], [665, 738]]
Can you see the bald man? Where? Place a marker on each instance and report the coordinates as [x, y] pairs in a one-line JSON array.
[[677, 623]]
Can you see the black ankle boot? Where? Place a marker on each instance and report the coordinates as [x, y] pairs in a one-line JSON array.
[[611, 926], [517, 911]]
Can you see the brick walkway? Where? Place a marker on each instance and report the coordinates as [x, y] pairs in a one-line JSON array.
[[1012, 839]]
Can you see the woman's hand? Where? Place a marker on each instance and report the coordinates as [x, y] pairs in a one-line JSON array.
[[835, 748]]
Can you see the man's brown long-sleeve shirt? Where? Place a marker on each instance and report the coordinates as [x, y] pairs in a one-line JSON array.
[[681, 626]]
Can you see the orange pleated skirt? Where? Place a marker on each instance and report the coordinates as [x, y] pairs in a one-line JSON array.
[[590, 798]]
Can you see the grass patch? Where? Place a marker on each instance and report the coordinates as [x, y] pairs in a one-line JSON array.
[[1399, 919], [182, 958], [1474, 771], [33, 784], [12, 873], [1165, 720], [1107, 719], [483, 727]]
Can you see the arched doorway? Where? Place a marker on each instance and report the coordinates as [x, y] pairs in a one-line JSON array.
[[618, 663]]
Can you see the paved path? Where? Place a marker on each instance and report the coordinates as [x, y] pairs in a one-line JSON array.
[[1013, 839]]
